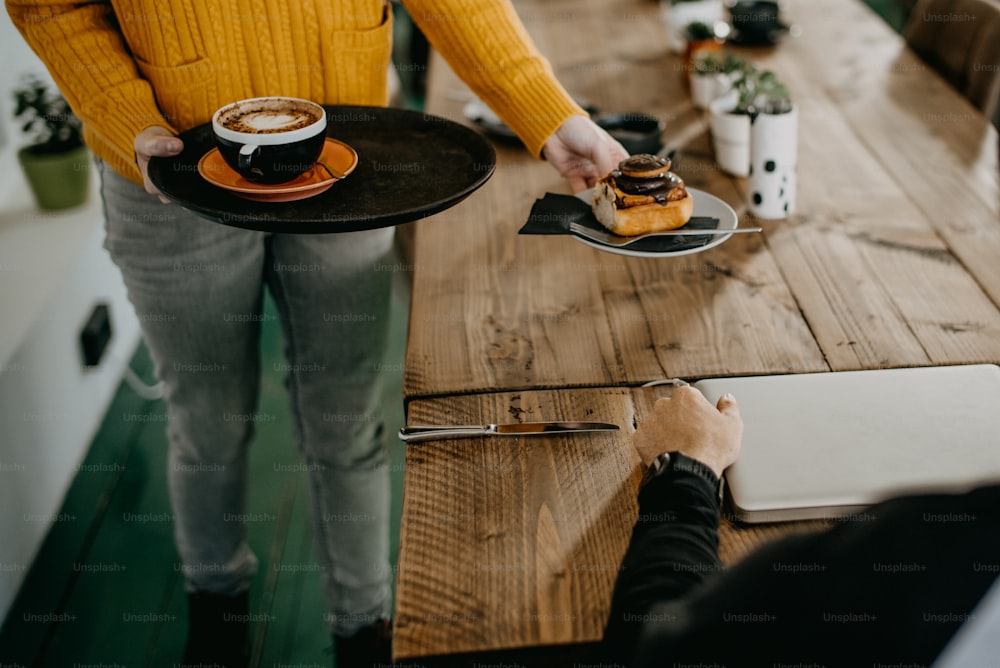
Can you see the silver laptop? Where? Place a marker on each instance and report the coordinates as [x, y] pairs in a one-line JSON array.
[[825, 445]]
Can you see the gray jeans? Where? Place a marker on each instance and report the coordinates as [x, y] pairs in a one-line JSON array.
[[198, 289]]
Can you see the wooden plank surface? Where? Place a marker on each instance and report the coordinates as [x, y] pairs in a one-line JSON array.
[[890, 261], [521, 312], [875, 270], [938, 148], [885, 272], [516, 542]]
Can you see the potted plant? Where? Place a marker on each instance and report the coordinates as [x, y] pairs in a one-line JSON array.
[[700, 37], [773, 148], [56, 163], [754, 92], [764, 93], [713, 74], [678, 14]]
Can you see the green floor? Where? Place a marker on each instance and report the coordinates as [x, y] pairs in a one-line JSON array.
[[106, 589]]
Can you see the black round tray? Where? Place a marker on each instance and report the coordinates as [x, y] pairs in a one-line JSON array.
[[410, 165]]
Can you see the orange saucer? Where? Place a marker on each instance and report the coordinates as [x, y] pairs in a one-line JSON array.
[[338, 155]]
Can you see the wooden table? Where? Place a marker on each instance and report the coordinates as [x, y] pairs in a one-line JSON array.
[[509, 542], [890, 261]]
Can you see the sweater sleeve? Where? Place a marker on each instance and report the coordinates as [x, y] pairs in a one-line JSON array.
[[486, 44], [84, 51], [674, 548]]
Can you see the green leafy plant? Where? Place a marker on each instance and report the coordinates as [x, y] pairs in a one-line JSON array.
[[697, 31], [772, 96], [718, 62], [761, 92], [46, 117]]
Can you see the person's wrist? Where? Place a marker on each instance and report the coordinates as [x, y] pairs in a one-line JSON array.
[[717, 468], [711, 462], [677, 462]]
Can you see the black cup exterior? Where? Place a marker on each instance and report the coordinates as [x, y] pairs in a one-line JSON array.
[[754, 18], [636, 132], [275, 163]]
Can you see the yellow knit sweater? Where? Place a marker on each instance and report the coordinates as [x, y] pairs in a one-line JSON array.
[[125, 65]]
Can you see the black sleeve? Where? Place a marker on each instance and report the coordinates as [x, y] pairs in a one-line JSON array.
[[890, 585], [674, 547]]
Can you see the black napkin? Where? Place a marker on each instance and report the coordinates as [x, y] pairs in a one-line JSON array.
[[553, 213]]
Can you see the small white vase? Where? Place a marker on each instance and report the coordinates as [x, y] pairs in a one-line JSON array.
[[773, 158], [730, 136], [706, 88]]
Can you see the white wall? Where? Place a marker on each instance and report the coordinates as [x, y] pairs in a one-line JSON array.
[[52, 272]]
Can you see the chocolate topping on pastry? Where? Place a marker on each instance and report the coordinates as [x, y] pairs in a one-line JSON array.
[[648, 186], [644, 179], [643, 165]]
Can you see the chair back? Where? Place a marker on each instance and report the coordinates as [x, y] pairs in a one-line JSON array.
[[961, 40]]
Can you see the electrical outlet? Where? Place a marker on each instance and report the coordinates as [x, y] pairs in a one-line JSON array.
[[95, 335]]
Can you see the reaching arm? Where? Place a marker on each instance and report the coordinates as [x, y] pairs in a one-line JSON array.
[[582, 152], [674, 545], [486, 44]]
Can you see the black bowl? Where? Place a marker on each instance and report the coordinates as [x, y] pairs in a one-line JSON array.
[[636, 132], [755, 22]]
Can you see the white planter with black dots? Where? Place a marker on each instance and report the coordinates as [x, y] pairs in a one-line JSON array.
[[773, 151]]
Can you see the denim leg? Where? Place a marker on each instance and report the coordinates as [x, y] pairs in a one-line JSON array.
[[197, 289], [333, 294]]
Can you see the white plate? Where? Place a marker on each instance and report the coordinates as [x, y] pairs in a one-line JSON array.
[[704, 205]]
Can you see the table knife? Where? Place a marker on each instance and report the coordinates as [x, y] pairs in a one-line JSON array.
[[413, 433]]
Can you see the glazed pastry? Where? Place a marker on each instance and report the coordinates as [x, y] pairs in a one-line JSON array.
[[642, 196]]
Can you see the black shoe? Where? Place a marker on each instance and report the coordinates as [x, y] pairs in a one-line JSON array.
[[369, 647], [217, 631]]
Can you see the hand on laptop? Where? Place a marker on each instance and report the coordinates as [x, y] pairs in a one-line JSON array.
[[688, 423]]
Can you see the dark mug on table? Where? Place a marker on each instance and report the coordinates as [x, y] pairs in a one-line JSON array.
[[755, 21]]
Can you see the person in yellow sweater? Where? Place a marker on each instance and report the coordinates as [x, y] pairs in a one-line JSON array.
[[138, 72]]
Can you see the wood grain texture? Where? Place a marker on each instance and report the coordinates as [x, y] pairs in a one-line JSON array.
[[882, 277], [516, 542], [889, 261], [532, 312]]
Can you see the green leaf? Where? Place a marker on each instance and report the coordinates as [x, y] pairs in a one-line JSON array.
[[49, 118]]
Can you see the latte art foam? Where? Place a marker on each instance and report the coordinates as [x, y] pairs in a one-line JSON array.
[[256, 120]]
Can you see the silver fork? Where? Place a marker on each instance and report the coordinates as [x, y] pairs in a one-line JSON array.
[[617, 241]]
